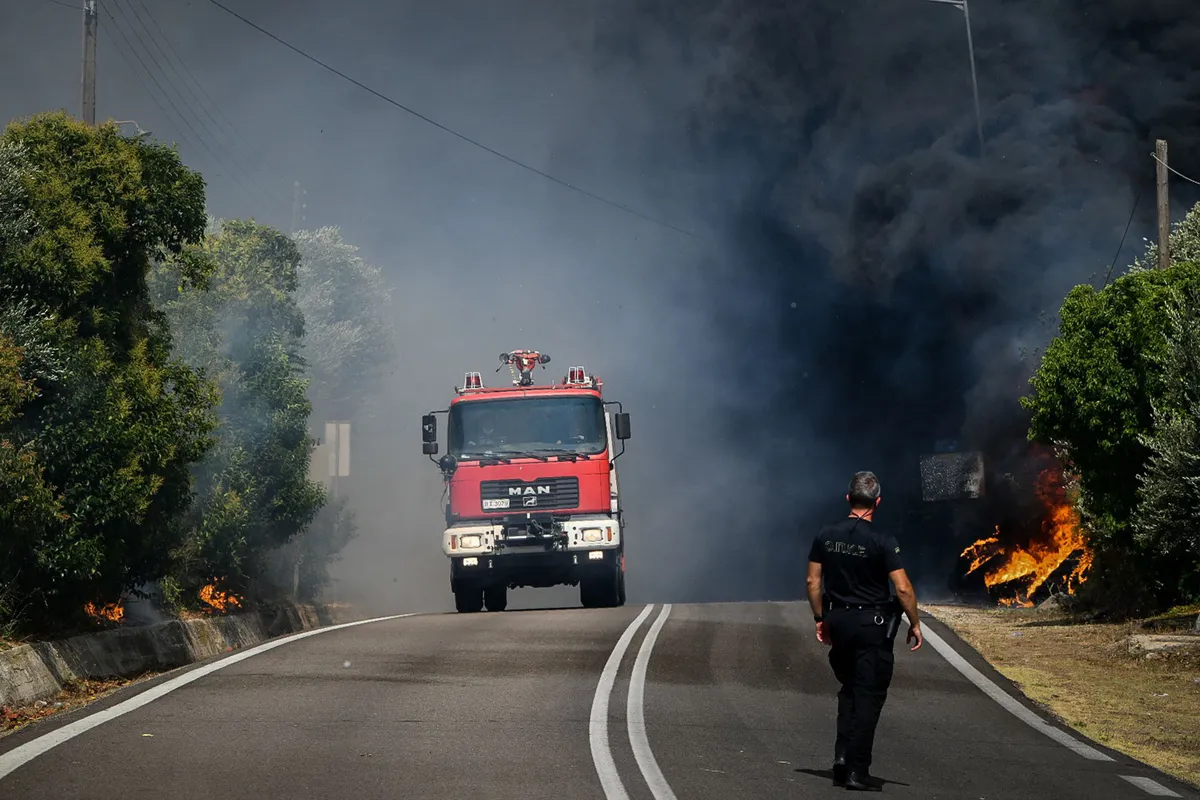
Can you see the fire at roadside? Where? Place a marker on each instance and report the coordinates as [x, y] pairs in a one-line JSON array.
[[112, 612], [1029, 556], [219, 601], [215, 601]]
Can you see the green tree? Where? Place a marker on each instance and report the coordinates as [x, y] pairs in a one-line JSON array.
[[345, 304], [244, 329], [29, 508], [110, 424], [1094, 400], [1165, 523], [348, 346]]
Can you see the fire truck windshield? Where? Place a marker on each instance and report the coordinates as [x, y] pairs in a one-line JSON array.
[[541, 425]]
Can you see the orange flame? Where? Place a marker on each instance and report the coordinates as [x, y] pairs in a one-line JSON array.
[[113, 612], [1031, 567], [217, 599]]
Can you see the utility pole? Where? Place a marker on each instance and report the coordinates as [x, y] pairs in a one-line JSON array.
[[974, 80], [1164, 205], [297, 206], [89, 62], [962, 6]]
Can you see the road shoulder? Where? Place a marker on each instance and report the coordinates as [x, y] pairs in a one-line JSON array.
[[1079, 679], [41, 679]]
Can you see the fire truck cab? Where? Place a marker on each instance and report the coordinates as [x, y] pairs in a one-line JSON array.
[[532, 497]]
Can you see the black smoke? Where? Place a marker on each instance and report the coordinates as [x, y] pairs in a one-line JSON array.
[[914, 281], [860, 284]]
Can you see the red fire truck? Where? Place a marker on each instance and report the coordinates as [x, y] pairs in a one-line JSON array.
[[532, 497]]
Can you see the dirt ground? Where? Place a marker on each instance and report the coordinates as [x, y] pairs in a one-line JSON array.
[[1139, 701]]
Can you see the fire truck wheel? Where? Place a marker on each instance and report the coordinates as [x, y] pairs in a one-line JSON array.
[[621, 589], [496, 597], [468, 599]]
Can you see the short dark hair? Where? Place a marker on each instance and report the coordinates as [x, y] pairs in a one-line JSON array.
[[864, 490]]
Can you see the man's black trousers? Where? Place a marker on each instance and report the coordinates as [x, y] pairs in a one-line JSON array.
[[862, 659]]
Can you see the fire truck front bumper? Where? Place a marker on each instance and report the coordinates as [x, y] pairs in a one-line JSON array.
[[575, 549], [583, 533]]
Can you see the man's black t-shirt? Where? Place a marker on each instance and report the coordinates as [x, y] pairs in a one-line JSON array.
[[855, 559]]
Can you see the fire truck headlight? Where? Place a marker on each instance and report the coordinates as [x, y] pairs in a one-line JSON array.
[[470, 541], [592, 534]]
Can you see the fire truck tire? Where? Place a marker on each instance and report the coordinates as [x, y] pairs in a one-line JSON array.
[[496, 597], [621, 589], [468, 599]]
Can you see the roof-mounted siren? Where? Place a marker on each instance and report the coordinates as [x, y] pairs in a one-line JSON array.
[[473, 380], [577, 375]]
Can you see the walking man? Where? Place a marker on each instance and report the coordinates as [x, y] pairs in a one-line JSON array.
[[858, 617]]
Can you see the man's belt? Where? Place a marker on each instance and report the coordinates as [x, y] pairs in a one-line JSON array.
[[836, 606]]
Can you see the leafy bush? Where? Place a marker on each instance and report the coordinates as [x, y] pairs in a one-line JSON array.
[[1101, 396]]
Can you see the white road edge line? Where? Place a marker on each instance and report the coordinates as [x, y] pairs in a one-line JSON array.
[[636, 714], [22, 755], [1008, 703], [606, 768], [1151, 787]]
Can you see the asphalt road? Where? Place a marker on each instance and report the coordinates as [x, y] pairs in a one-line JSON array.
[[723, 702]]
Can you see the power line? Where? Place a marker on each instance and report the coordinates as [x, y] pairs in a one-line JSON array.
[[61, 3], [171, 57], [262, 197], [448, 130], [1172, 169], [138, 75], [199, 137], [1116, 255], [212, 104]]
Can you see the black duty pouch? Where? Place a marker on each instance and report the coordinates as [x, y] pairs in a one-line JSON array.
[[893, 613]]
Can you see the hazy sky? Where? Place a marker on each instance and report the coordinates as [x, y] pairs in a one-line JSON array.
[[859, 283]]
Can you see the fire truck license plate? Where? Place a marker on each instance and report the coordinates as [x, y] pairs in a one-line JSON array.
[[501, 503]]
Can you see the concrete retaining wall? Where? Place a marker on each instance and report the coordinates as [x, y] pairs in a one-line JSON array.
[[39, 671]]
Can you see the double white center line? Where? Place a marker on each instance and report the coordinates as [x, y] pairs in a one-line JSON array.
[[606, 769]]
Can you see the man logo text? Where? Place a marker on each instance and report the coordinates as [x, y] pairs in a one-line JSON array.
[[516, 491]]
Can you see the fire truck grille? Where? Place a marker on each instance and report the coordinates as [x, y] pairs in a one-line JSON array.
[[536, 494]]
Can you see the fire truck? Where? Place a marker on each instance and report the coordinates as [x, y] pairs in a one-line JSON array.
[[531, 492]]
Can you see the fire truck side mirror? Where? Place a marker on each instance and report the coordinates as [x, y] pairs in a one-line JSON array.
[[429, 448], [621, 422], [429, 431]]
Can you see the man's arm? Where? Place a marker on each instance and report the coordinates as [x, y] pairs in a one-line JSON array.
[[814, 587], [908, 601], [814, 598]]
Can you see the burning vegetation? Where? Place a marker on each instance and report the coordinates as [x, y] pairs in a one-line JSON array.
[[1056, 556], [113, 612], [218, 600]]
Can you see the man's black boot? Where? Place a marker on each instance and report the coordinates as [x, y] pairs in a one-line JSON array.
[[839, 772], [862, 782]]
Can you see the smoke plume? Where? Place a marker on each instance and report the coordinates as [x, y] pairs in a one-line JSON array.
[[860, 282]]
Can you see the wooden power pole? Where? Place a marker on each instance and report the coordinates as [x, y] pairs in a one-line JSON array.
[[1164, 206], [89, 62], [298, 206]]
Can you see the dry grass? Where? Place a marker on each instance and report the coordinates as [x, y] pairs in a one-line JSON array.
[[75, 695], [1085, 674]]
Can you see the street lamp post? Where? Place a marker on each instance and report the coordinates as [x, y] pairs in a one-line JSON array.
[[140, 132], [962, 5]]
